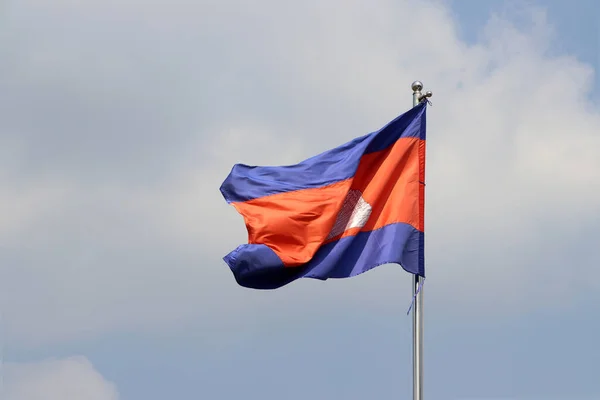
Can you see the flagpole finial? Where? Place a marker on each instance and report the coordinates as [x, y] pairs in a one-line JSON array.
[[417, 86], [418, 97]]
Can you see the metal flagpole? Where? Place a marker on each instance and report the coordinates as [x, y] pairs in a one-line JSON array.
[[418, 292]]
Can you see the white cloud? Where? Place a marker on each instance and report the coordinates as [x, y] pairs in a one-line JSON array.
[[129, 230], [72, 378]]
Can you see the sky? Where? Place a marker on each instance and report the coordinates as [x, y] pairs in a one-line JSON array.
[[119, 119]]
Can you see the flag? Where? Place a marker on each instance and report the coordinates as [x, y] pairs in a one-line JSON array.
[[337, 214]]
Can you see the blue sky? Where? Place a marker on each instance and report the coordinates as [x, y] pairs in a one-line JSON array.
[[121, 118], [576, 23]]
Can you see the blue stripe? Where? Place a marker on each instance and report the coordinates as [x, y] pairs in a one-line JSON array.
[[250, 182], [256, 266]]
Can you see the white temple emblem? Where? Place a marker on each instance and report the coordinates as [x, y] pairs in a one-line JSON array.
[[354, 214]]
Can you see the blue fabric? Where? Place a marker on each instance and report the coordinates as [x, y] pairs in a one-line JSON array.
[[258, 267], [250, 182]]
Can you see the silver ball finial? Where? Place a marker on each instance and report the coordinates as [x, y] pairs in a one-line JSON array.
[[417, 86]]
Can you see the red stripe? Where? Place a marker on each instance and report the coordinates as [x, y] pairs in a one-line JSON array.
[[389, 182], [422, 151], [295, 224]]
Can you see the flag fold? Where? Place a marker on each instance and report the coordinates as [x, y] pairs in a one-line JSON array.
[[337, 214]]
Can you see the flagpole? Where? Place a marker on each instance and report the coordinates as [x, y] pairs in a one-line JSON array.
[[418, 292]]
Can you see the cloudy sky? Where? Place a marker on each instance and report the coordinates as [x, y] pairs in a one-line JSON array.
[[119, 119]]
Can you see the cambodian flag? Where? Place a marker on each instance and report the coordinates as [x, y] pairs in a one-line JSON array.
[[337, 214]]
